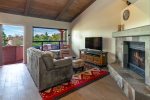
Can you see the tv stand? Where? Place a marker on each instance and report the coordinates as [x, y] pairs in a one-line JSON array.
[[94, 57]]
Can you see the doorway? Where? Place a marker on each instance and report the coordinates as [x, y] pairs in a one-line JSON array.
[[12, 44]]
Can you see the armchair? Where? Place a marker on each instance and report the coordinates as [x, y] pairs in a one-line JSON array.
[[65, 51]]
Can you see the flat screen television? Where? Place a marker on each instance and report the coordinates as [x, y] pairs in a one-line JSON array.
[[93, 43]]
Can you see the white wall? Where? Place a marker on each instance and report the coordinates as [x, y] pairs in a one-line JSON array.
[[100, 19], [139, 14], [28, 23]]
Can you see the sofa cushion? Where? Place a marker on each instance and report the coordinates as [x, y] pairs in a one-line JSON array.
[[49, 53], [63, 63], [48, 60]]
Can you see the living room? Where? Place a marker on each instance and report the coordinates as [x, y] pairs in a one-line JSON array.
[[118, 22]]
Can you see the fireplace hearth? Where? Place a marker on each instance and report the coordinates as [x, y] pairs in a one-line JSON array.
[[136, 57]]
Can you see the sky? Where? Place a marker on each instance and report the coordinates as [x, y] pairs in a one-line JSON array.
[[40, 31], [13, 30], [19, 30]]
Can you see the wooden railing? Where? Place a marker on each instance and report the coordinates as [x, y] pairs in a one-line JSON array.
[[12, 54]]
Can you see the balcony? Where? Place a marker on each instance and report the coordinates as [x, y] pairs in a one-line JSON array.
[[12, 54]]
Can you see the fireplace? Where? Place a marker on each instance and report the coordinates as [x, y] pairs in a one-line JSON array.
[[131, 70], [135, 57]]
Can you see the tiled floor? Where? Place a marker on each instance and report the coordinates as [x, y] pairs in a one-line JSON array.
[[17, 84]]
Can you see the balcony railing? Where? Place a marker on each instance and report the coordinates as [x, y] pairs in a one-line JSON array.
[[50, 43], [12, 54]]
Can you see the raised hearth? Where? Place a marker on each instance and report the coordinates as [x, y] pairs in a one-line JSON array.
[[131, 83]]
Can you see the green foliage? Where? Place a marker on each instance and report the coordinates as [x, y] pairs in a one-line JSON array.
[[37, 38], [45, 37], [55, 37], [4, 38], [36, 44], [19, 42]]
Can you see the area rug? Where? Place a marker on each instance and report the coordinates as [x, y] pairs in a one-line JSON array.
[[78, 80]]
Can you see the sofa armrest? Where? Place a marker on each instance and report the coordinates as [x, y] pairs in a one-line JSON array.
[[62, 63]]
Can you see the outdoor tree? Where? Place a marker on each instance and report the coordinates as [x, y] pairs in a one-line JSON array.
[[36, 38], [43, 37], [18, 40], [55, 37], [4, 37], [46, 37]]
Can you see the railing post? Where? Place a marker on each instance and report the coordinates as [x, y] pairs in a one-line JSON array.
[[42, 46], [59, 44]]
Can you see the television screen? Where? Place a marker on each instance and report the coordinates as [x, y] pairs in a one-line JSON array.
[[93, 43]]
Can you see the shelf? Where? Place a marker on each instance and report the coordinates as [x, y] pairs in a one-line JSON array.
[[94, 57]]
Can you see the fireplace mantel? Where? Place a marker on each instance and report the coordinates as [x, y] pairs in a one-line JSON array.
[[139, 31]]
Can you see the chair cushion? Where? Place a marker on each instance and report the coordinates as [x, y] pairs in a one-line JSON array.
[[48, 60]]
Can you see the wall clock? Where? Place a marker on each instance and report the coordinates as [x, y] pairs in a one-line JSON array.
[[126, 15]]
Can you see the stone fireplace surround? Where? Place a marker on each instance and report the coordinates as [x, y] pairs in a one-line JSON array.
[[133, 85]]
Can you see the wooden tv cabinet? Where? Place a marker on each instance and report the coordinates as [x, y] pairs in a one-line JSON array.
[[95, 57]]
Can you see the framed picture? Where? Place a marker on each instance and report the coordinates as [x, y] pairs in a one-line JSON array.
[[126, 15]]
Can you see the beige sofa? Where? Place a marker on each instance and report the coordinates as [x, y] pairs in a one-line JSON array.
[[47, 72]]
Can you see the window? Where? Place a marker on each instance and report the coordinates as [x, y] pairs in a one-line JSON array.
[[48, 36]]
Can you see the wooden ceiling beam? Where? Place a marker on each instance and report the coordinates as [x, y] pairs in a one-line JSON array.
[[27, 7], [65, 9]]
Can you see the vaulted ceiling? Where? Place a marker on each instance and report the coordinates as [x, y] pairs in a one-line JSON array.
[[61, 10]]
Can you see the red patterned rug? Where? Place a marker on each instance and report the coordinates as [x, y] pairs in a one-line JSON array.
[[77, 81]]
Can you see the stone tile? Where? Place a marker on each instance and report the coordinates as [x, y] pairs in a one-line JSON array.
[[139, 96]]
